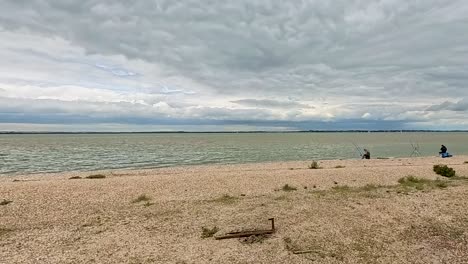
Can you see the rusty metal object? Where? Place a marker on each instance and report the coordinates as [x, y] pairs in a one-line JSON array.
[[249, 233]]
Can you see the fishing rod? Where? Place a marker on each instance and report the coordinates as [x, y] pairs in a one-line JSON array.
[[415, 146], [359, 150]]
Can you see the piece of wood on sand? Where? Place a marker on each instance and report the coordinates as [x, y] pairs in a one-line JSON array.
[[304, 251], [249, 233]]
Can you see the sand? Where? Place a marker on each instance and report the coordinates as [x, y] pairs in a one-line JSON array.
[[53, 219]]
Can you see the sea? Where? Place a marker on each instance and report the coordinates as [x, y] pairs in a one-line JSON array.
[[51, 153]]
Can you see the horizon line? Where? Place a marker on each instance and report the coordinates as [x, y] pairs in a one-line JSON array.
[[232, 132]]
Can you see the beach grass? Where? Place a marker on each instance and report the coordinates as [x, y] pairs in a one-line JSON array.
[[412, 182], [225, 199], [314, 165], [141, 198], [209, 232]]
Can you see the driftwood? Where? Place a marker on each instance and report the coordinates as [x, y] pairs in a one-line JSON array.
[[249, 233], [303, 251]]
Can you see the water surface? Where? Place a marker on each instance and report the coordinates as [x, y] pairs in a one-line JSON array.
[[86, 152]]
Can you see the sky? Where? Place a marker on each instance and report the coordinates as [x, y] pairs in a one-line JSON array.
[[164, 65]]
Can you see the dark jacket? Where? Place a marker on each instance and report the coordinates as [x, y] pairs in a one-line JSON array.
[[443, 149], [366, 155]]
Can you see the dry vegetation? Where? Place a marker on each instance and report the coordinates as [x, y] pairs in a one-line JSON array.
[[209, 232], [141, 198], [225, 199], [314, 165]]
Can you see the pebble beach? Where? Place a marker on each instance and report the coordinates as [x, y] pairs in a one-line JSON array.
[[346, 211]]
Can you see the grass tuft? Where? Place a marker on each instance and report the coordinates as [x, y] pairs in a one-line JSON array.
[[371, 187], [314, 165], [411, 182], [281, 198], [141, 198], [288, 188], [226, 199], [444, 170], [441, 184], [96, 176], [209, 232]]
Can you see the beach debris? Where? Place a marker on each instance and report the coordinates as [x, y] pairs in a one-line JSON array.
[[249, 233], [96, 176], [304, 252], [19, 180], [75, 178], [5, 202]]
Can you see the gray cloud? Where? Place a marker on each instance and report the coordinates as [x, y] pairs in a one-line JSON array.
[[460, 106], [351, 60]]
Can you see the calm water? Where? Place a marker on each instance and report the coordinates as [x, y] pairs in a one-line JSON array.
[[57, 153]]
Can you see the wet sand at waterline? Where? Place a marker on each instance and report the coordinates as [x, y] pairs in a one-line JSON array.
[[356, 213]]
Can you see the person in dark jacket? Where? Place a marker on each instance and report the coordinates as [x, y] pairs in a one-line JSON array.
[[443, 150], [366, 154]]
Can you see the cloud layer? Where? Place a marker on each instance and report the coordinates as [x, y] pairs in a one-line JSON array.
[[216, 65]]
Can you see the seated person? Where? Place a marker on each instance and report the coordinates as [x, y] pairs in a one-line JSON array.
[[443, 152], [366, 154]]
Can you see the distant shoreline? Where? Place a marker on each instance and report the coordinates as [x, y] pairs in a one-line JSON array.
[[232, 132]]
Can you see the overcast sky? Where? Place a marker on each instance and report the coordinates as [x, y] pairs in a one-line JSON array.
[[119, 65]]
